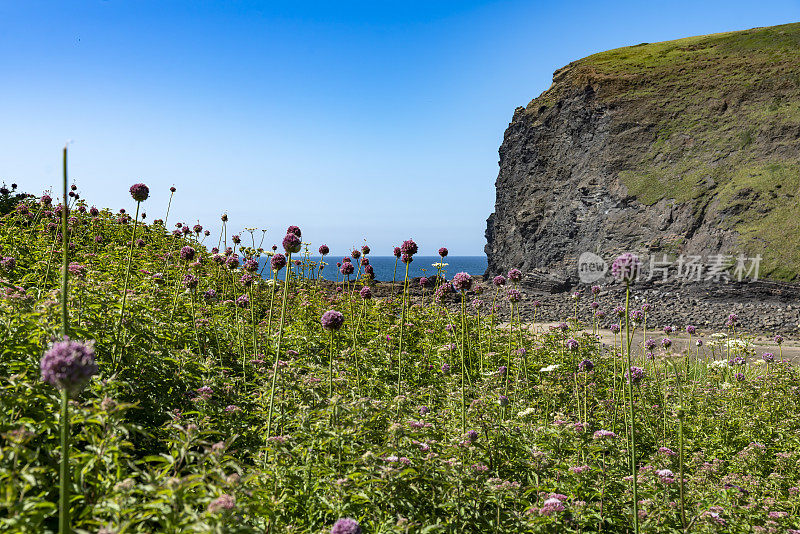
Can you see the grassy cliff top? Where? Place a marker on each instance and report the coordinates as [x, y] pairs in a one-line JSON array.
[[718, 120]]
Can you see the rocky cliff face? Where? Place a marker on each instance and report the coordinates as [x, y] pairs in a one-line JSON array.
[[688, 147]]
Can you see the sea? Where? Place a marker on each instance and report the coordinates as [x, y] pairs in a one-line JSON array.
[[384, 266]]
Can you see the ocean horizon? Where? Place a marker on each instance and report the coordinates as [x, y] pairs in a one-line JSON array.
[[384, 266]]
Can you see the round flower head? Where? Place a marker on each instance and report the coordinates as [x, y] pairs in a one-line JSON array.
[[650, 344], [232, 262], [768, 357], [397, 252], [571, 344], [190, 281], [409, 247], [355, 254], [594, 305], [366, 293], [668, 329], [778, 339], [94, 212], [346, 525], [443, 252], [499, 280], [576, 296], [634, 374], [187, 253], [250, 265], [68, 365], [515, 275], [247, 279], [365, 249], [536, 303], [364, 261], [691, 330], [462, 282], [291, 243], [332, 320], [224, 217], [471, 435], [323, 250], [369, 272], [666, 342], [513, 295], [347, 268], [210, 295], [46, 200], [243, 301], [604, 434], [236, 239], [423, 282], [294, 230], [637, 316], [172, 189], [278, 261], [502, 401], [595, 290], [8, 263], [197, 228], [407, 258], [140, 192], [586, 366], [626, 267]]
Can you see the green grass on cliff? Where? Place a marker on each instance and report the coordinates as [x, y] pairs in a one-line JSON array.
[[723, 113]]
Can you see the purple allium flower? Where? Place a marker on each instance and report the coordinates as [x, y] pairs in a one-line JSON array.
[[499, 280], [94, 212], [407, 258], [364, 262], [634, 374], [515, 275], [278, 261], [571, 344], [650, 344], [187, 253], [462, 282], [563, 327], [536, 303], [669, 329], [576, 296], [369, 272], [502, 370], [232, 262], [443, 252], [423, 410], [735, 361], [595, 290], [291, 243], [620, 311], [210, 295], [740, 377], [68, 365], [366, 293], [243, 301], [471, 435], [513, 295], [600, 314], [346, 259], [140, 192], [346, 525], [423, 282], [76, 269], [250, 265], [409, 247], [477, 304], [397, 252], [332, 320], [691, 330], [224, 217], [197, 228], [236, 239], [172, 189], [190, 281], [222, 503], [699, 342], [604, 434], [768, 357], [355, 254], [594, 305], [247, 279], [176, 233], [626, 267], [732, 320], [140, 243], [46, 200], [8, 263], [637, 316], [778, 339], [446, 368], [666, 342], [347, 268], [502, 401], [586, 366], [646, 307], [365, 249], [323, 250], [294, 230]]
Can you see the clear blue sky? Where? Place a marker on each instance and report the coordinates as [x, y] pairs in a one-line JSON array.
[[374, 120]]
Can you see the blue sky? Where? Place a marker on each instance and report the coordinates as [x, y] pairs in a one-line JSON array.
[[354, 120]]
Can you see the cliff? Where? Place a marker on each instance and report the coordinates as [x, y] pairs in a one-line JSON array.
[[682, 147]]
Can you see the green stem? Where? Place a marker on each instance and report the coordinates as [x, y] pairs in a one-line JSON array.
[[64, 258], [633, 422], [278, 351], [125, 293], [402, 329], [63, 519]]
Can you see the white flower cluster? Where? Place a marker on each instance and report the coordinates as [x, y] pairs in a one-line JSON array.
[[549, 368]]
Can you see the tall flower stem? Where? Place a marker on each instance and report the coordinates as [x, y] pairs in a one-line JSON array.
[[330, 368], [278, 350], [630, 406], [463, 361], [169, 204], [63, 503], [120, 336], [402, 330]]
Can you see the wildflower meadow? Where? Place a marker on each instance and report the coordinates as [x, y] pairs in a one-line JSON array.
[[157, 378]]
